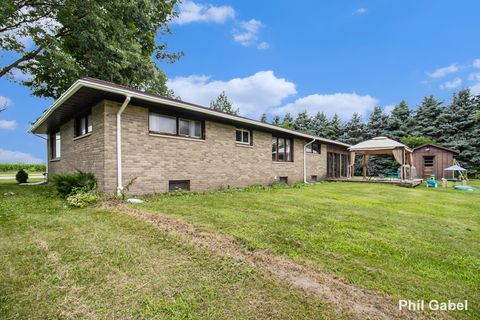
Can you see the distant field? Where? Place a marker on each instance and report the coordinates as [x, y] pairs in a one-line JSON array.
[[14, 167]]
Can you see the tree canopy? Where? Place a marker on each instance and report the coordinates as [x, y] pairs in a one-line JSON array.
[[221, 103], [58, 41]]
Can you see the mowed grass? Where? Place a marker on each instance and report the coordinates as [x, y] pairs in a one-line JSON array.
[[90, 263], [403, 243]]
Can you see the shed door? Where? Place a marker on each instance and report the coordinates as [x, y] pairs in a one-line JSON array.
[[428, 167]]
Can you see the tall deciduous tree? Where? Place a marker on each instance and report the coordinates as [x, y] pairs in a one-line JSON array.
[[59, 41], [400, 121], [427, 123], [223, 104]]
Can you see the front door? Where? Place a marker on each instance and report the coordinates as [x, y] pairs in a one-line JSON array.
[[428, 167]]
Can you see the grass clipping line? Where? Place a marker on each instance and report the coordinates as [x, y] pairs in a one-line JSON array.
[[343, 296]]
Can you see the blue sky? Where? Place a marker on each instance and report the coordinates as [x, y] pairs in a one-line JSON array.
[[276, 57]]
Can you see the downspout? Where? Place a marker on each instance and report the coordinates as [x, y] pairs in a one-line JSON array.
[[46, 163], [119, 145], [305, 161]]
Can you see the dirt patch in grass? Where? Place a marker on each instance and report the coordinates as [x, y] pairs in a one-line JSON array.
[[344, 297], [73, 305]]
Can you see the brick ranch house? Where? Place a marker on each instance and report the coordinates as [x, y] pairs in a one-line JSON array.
[[120, 134]]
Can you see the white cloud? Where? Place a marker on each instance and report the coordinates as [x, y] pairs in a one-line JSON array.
[[189, 11], [360, 11], [451, 84], [388, 108], [248, 32], [8, 125], [343, 104], [476, 63], [263, 46], [443, 71], [7, 156], [5, 102], [474, 76], [254, 94], [475, 89], [18, 75]]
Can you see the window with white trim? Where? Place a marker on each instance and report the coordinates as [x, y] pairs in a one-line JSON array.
[[243, 136], [55, 144], [83, 124]]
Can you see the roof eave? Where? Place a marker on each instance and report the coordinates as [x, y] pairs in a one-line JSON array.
[[95, 85]]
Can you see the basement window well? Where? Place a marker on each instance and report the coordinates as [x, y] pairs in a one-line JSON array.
[[178, 185]]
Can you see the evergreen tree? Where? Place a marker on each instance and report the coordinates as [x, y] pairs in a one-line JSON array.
[[460, 128], [427, 122], [319, 124], [376, 127], [400, 121], [354, 130], [302, 122], [334, 129], [276, 120], [264, 118], [377, 124], [287, 121], [223, 104]]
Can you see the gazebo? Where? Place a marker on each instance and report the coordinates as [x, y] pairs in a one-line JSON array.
[[382, 145]]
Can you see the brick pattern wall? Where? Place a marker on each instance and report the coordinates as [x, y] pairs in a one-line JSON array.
[[216, 162], [85, 153], [153, 160]]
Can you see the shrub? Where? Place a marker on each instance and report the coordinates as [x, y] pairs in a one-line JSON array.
[[65, 183], [21, 176], [82, 197]]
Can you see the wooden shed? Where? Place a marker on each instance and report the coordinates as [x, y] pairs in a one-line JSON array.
[[433, 159]]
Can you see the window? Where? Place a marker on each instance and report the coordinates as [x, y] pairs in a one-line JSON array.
[[159, 123], [283, 180], [83, 124], [190, 128], [428, 161], [163, 124], [314, 178], [314, 148], [243, 136], [178, 185], [282, 149], [55, 144]]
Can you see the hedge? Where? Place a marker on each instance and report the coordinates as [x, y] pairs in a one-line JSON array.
[[4, 167]]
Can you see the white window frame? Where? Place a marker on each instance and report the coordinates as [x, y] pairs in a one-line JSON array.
[[242, 131]]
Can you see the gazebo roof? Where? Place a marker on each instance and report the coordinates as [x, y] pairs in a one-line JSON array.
[[378, 143]]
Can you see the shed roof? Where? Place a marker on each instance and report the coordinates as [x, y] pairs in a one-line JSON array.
[[436, 146]]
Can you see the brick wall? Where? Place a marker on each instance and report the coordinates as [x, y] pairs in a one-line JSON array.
[[85, 153], [216, 162]]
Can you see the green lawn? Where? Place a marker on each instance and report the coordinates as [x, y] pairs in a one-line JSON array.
[[90, 263], [402, 243]]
